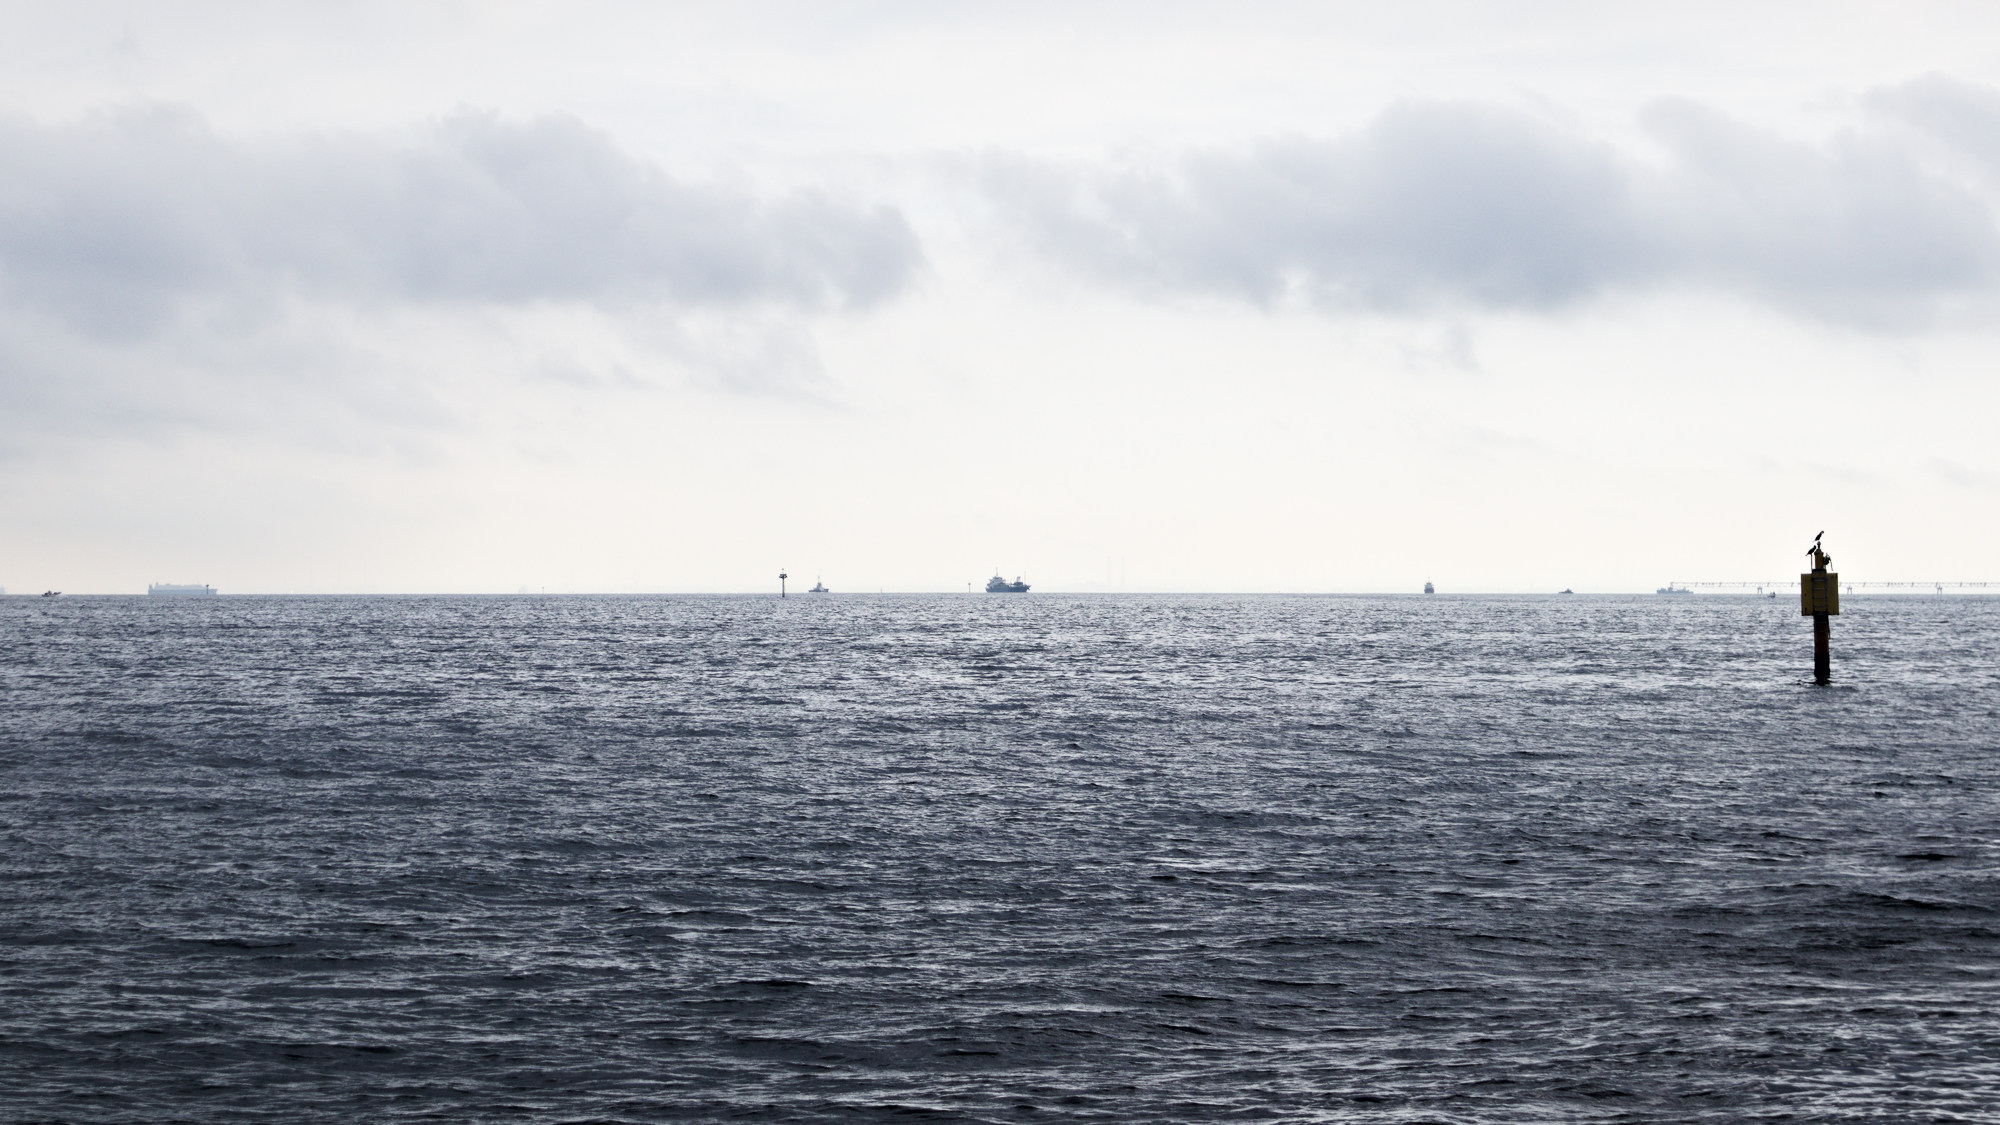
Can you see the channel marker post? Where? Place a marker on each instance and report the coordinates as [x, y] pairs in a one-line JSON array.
[[1819, 599]]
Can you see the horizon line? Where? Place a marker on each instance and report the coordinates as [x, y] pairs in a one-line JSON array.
[[1915, 589]]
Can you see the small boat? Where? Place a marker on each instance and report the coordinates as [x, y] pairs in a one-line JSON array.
[[819, 587], [51, 593], [999, 585]]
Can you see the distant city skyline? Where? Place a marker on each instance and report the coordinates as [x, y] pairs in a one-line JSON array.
[[1299, 298]]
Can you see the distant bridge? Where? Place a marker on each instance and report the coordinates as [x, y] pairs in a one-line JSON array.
[[1793, 584]]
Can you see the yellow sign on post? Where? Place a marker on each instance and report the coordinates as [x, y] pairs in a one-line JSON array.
[[1819, 593]]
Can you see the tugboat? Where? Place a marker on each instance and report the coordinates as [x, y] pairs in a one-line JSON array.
[[999, 585], [819, 587], [1429, 589]]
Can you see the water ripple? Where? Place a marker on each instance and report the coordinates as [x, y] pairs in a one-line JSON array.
[[965, 858]]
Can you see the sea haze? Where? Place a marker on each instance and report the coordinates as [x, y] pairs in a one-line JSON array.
[[997, 858]]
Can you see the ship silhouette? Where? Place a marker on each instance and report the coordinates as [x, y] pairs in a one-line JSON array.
[[999, 585]]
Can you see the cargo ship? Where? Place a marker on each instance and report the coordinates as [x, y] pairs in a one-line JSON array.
[[172, 590], [999, 585]]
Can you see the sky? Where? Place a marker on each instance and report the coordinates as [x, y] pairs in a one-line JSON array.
[[485, 297]]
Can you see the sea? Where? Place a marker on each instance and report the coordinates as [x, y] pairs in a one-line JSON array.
[[998, 858]]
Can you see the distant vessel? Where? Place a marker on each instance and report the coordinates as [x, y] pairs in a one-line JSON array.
[[999, 585], [819, 587], [1670, 588], [1429, 589], [173, 590], [1567, 590], [51, 593]]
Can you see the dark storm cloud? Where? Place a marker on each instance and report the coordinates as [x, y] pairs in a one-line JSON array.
[[1446, 204], [113, 224]]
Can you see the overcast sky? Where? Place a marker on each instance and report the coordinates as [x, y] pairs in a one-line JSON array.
[[472, 297]]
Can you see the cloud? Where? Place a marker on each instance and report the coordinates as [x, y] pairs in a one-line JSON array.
[[115, 225], [158, 278], [1964, 116], [1453, 206], [1857, 228]]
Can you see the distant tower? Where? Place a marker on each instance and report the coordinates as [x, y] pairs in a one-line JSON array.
[[781, 583]]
